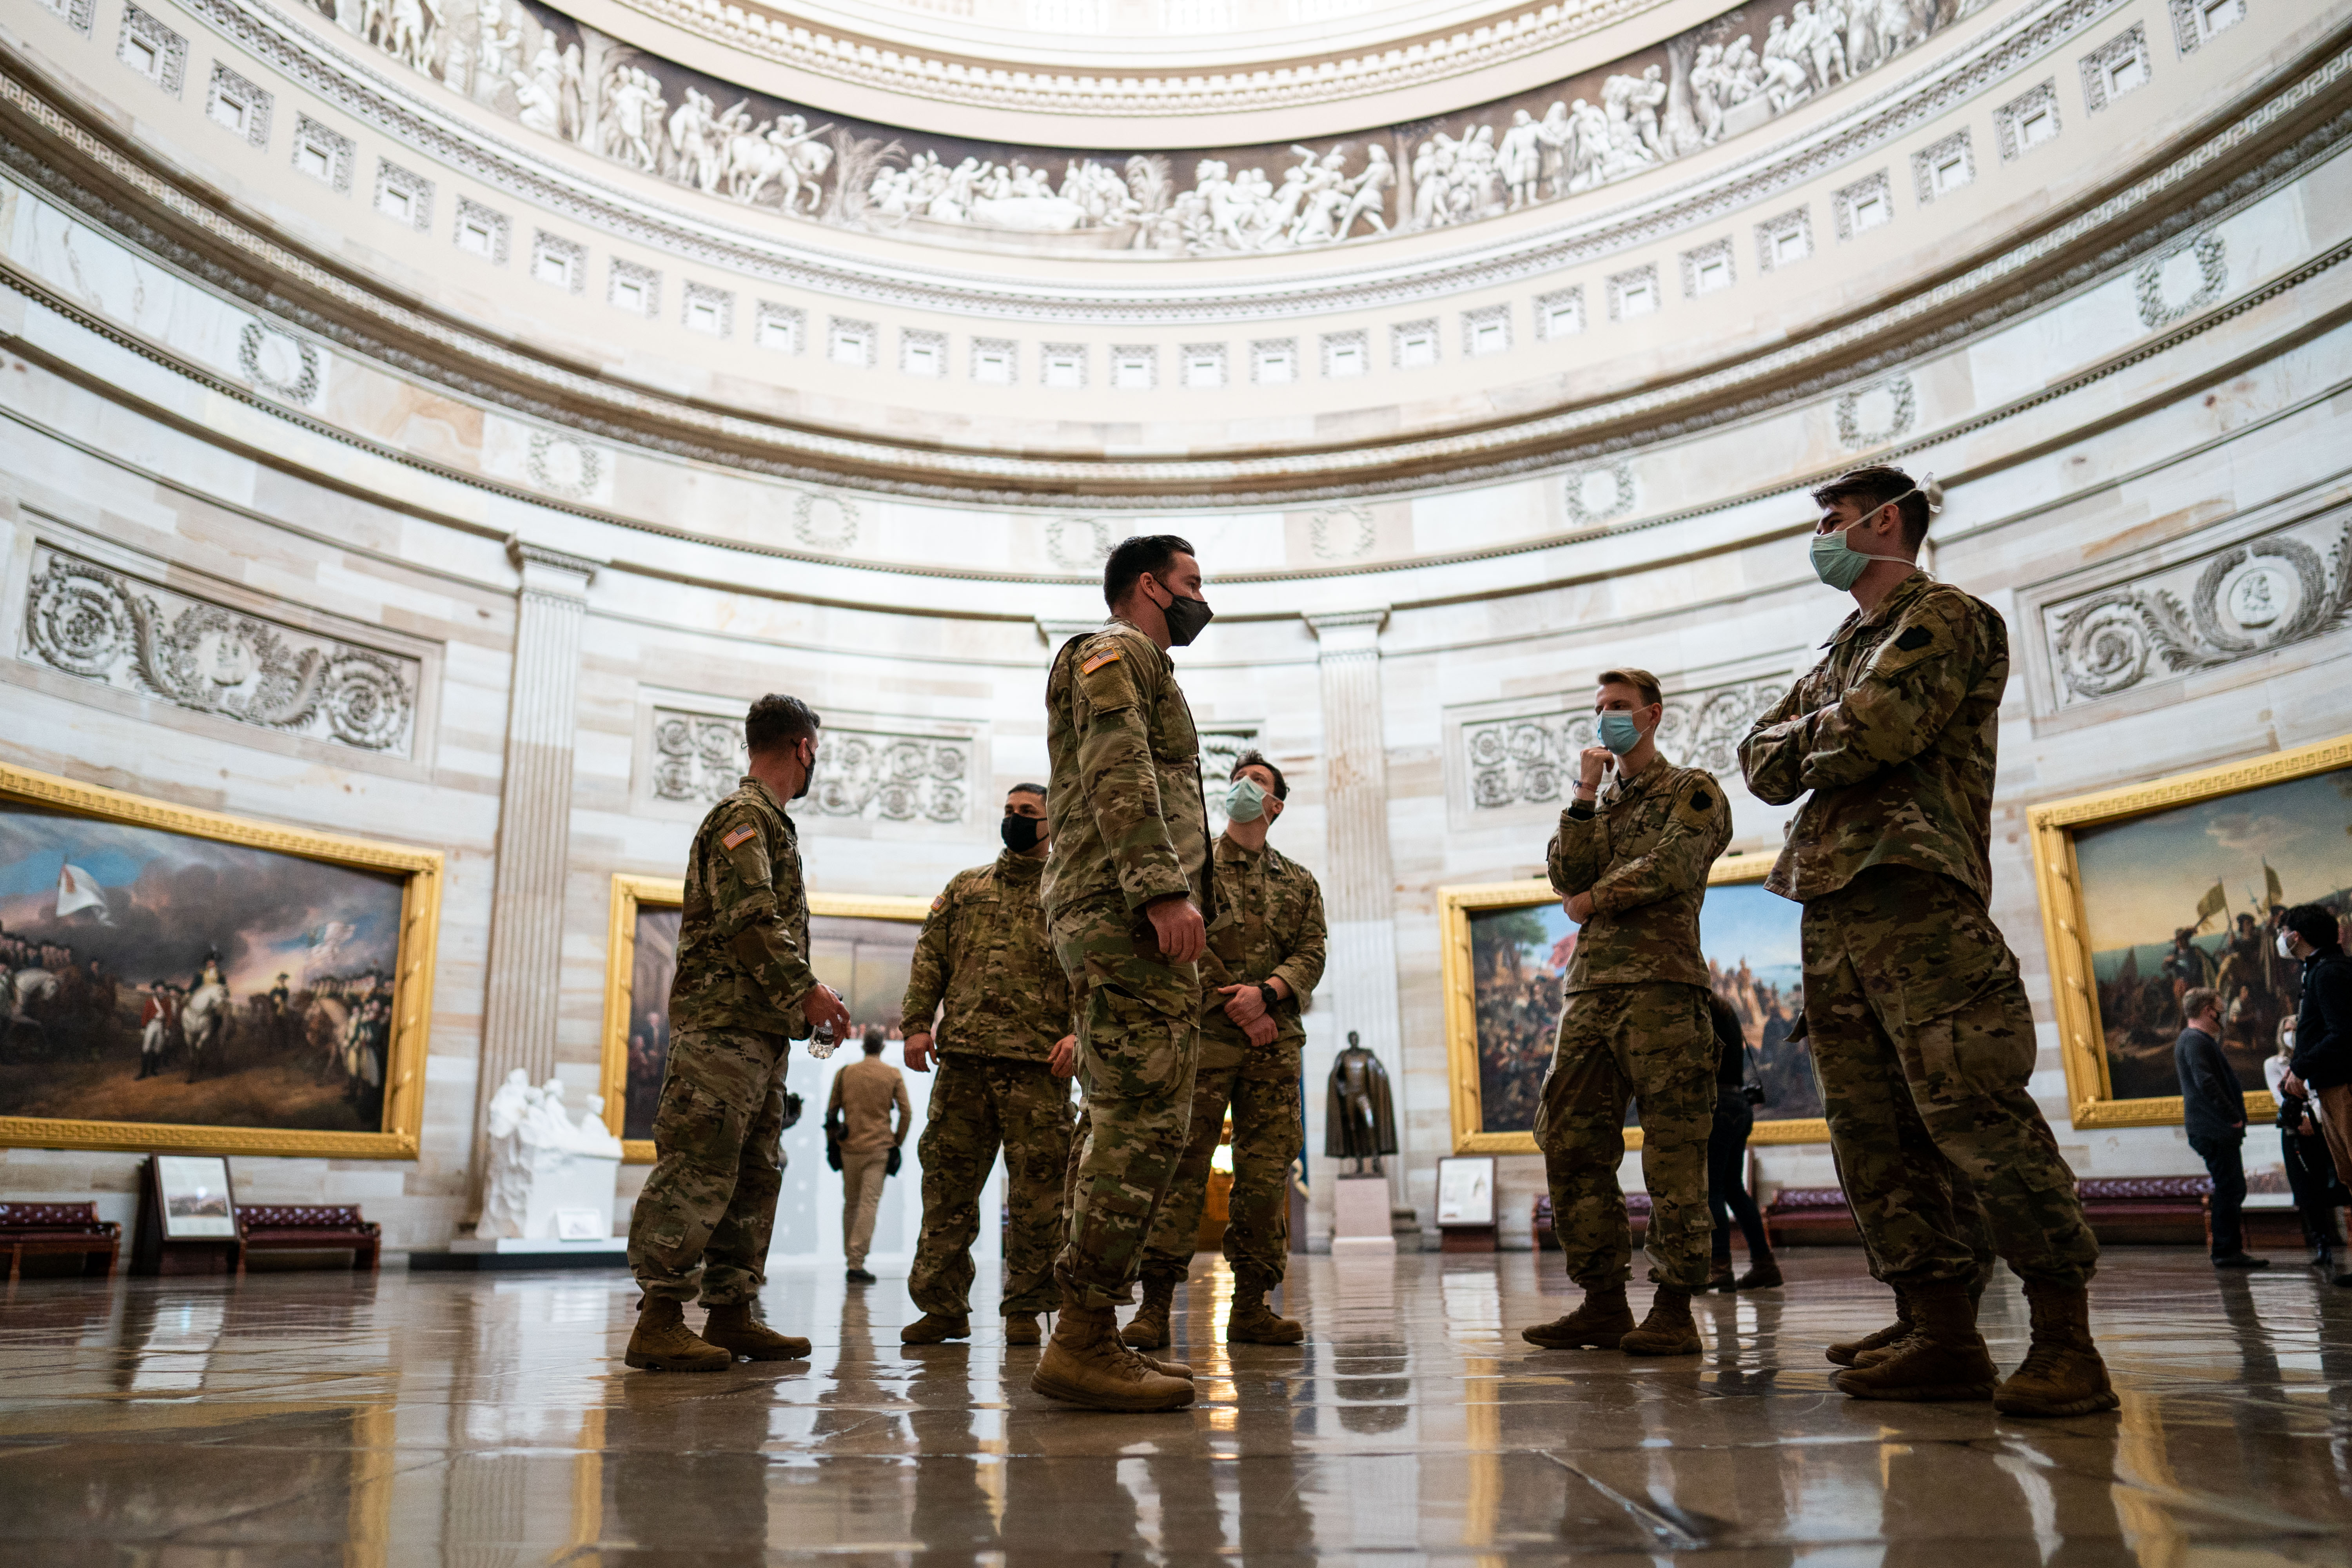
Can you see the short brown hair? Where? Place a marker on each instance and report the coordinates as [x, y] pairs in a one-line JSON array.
[[1254, 758], [2195, 1003], [1641, 680], [777, 719], [1036, 789], [1873, 487]]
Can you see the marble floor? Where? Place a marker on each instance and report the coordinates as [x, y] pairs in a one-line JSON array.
[[300, 1418]]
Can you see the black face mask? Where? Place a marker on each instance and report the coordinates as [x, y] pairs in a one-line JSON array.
[[1021, 833], [808, 778], [1187, 618]]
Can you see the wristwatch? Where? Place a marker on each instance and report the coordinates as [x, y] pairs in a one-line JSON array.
[[1267, 995]]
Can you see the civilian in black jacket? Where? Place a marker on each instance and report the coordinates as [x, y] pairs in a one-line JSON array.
[[2323, 1030], [2215, 1110]]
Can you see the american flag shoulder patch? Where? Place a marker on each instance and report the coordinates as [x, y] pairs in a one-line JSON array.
[[939, 903], [1111, 656], [736, 839]]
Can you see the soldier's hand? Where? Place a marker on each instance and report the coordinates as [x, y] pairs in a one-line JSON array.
[[1242, 1004], [822, 1006], [1592, 765], [919, 1051], [2294, 1086], [1176, 921], [1260, 1030], [1579, 907], [1062, 1061]]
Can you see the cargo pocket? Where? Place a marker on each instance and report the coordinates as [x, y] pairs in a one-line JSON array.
[[1133, 1050], [1984, 1046]]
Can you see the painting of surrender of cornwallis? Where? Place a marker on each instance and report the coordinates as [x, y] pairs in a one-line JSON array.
[[2191, 897], [148, 976]]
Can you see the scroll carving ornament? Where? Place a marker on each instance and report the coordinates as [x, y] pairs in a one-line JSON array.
[[1531, 759], [92, 622], [2249, 599], [875, 775]]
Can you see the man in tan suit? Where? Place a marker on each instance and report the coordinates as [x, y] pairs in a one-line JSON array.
[[864, 1096]]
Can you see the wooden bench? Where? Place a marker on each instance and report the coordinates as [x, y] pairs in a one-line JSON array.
[[307, 1227], [1637, 1214], [58, 1228]]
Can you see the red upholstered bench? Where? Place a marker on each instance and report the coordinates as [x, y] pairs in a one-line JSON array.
[[1637, 1212], [307, 1228], [58, 1228], [2147, 1210], [1811, 1216]]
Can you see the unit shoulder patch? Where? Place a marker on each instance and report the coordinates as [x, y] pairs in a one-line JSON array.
[[1916, 638]]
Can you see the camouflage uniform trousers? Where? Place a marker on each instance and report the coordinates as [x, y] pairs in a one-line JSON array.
[[1923, 1040], [978, 1105], [707, 1209], [1651, 1043], [1267, 1136], [1136, 1066]]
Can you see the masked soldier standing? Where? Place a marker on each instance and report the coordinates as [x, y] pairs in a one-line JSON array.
[[1631, 863], [1125, 892], [743, 994], [1006, 1053], [1921, 1031], [1266, 955]]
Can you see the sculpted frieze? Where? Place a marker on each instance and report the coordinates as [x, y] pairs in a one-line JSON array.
[[562, 79], [868, 774], [102, 626], [1530, 758]]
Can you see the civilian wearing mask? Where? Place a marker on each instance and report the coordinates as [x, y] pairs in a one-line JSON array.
[[2321, 1069], [2214, 1110], [2310, 1174], [869, 1096], [1727, 1197]]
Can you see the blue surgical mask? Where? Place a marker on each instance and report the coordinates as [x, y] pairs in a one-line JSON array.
[[1619, 733], [1838, 563], [1245, 800]]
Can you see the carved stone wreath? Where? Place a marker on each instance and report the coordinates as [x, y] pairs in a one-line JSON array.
[[1905, 398], [303, 389], [825, 522], [540, 468], [1582, 515], [1342, 534], [1078, 543], [2250, 598], [2213, 276], [91, 622]]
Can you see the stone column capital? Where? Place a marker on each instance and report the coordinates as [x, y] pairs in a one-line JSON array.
[[1348, 632], [550, 570]]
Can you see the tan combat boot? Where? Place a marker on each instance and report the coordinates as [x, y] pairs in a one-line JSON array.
[[1944, 1357], [1020, 1328], [1668, 1330], [2062, 1374], [734, 1329], [1252, 1322], [662, 1341], [1148, 1330], [932, 1328], [1599, 1323], [1084, 1364], [1873, 1345]]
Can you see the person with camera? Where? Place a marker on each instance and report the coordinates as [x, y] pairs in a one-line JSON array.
[[2310, 1174], [2321, 1068], [1631, 862], [1737, 1095]]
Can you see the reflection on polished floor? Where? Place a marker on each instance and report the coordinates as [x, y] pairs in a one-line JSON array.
[[446, 1419]]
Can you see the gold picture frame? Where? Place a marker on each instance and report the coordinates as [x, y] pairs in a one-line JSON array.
[[2066, 918], [411, 1011], [1455, 905], [631, 892]]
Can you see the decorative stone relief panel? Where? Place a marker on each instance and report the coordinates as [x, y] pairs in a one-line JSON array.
[[1080, 543], [868, 774], [2116, 68], [2158, 284], [484, 231], [232, 101], [1865, 205], [78, 13], [823, 521], [1342, 534], [404, 195], [2194, 21], [152, 49], [323, 153], [116, 630], [281, 364], [2251, 597], [1530, 759], [1873, 415], [1599, 493]]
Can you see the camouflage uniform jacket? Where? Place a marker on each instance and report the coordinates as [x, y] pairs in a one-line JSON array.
[[983, 951], [744, 935], [1270, 924], [1642, 851], [1129, 821], [1895, 733]]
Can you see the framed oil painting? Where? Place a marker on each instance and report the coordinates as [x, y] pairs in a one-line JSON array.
[[2151, 891], [864, 948], [1507, 947], [173, 979]]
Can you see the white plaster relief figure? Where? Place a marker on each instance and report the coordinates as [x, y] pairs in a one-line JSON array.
[[544, 1163], [632, 118], [542, 109]]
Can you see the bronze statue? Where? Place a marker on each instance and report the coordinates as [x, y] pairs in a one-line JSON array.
[[1359, 1117]]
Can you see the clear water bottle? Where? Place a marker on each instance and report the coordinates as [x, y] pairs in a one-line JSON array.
[[822, 1042]]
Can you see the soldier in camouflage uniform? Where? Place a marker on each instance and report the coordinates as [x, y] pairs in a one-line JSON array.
[[1128, 889], [744, 993], [1920, 1029], [1266, 955], [1006, 1051], [1631, 863]]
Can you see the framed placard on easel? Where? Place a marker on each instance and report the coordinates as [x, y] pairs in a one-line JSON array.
[[187, 1217], [1466, 1202]]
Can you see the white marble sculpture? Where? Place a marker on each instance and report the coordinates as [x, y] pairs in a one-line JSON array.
[[549, 1176]]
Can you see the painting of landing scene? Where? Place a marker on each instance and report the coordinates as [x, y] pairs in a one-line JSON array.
[[1519, 961], [153, 976], [867, 961], [2190, 897]]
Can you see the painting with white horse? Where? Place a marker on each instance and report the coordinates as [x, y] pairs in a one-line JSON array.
[[152, 976]]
